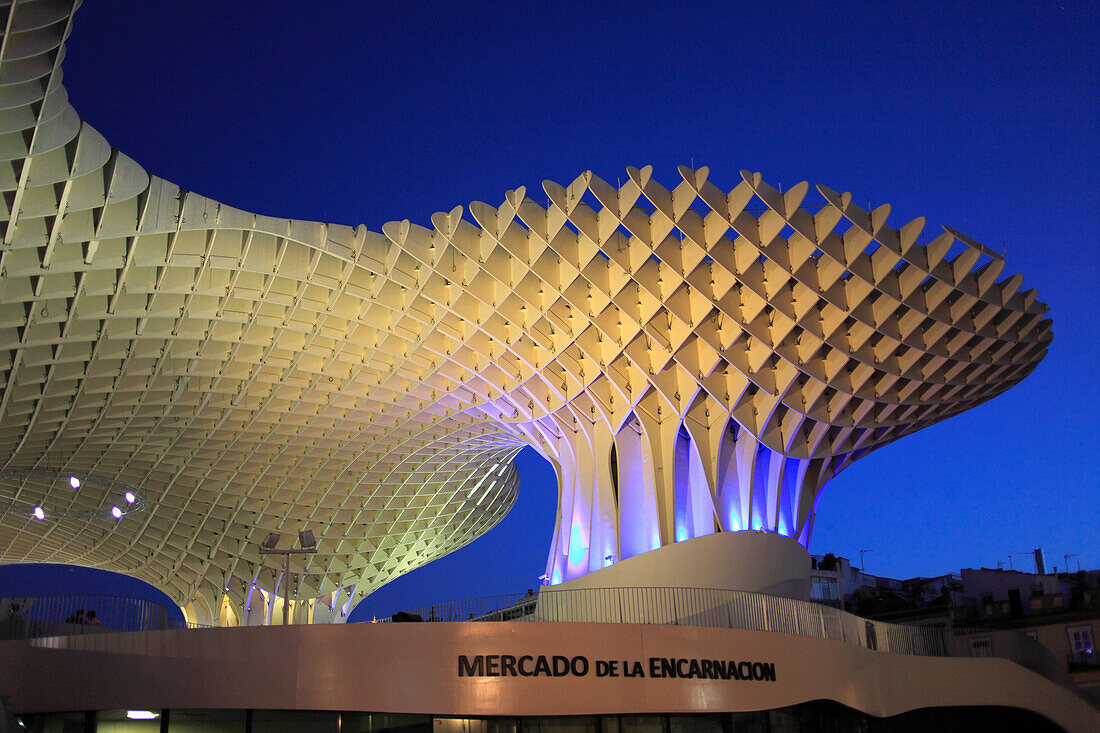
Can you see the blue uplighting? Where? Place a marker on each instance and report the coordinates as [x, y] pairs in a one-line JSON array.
[[576, 546]]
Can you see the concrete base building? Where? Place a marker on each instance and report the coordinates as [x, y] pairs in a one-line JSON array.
[[696, 364], [520, 676]]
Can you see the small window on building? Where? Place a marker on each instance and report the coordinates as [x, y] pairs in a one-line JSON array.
[[980, 647], [824, 589], [1080, 644]]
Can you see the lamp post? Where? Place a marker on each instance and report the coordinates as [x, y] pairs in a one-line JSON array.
[[309, 546]]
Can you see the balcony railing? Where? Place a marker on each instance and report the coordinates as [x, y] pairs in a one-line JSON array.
[[46, 616], [732, 609], [32, 617]]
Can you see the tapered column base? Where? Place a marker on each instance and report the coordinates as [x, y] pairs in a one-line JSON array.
[[762, 562]]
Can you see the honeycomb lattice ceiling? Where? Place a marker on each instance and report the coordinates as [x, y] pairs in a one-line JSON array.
[[254, 374]]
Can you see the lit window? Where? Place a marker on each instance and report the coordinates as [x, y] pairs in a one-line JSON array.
[[1080, 643]]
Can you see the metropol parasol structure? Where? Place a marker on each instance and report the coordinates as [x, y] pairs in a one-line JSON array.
[[179, 378]]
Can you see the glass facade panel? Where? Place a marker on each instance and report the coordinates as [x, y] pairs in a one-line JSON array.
[[812, 717], [695, 724], [749, 722], [295, 721], [577, 724], [784, 720], [76, 722], [119, 721], [641, 723], [461, 725], [385, 723], [206, 721]]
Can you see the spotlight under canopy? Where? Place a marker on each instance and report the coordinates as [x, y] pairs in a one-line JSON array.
[[66, 496]]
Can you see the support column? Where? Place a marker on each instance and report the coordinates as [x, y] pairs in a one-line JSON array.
[[639, 529]]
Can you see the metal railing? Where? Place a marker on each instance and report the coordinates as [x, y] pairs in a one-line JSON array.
[[32, 617], [509, 607], [709, 607], [732, 609]]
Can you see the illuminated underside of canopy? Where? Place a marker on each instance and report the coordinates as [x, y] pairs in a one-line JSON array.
[[690, 360]]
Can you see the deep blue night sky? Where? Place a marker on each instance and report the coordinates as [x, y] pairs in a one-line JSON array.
[[982, 117]]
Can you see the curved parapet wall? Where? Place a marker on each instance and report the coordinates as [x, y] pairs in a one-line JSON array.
[[418, 668], [690, 360], [761, 562]]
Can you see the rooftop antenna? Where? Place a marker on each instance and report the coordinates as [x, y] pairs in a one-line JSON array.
[[862, 568], [1017, 554]]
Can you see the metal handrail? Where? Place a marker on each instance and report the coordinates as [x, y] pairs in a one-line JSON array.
[[32, 617], [29, 617], [745, 610]]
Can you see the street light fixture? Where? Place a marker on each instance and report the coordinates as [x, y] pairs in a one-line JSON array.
[[309, 547]]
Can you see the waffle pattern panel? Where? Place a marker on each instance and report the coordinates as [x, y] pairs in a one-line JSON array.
[[690, 359], [250, 374]]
